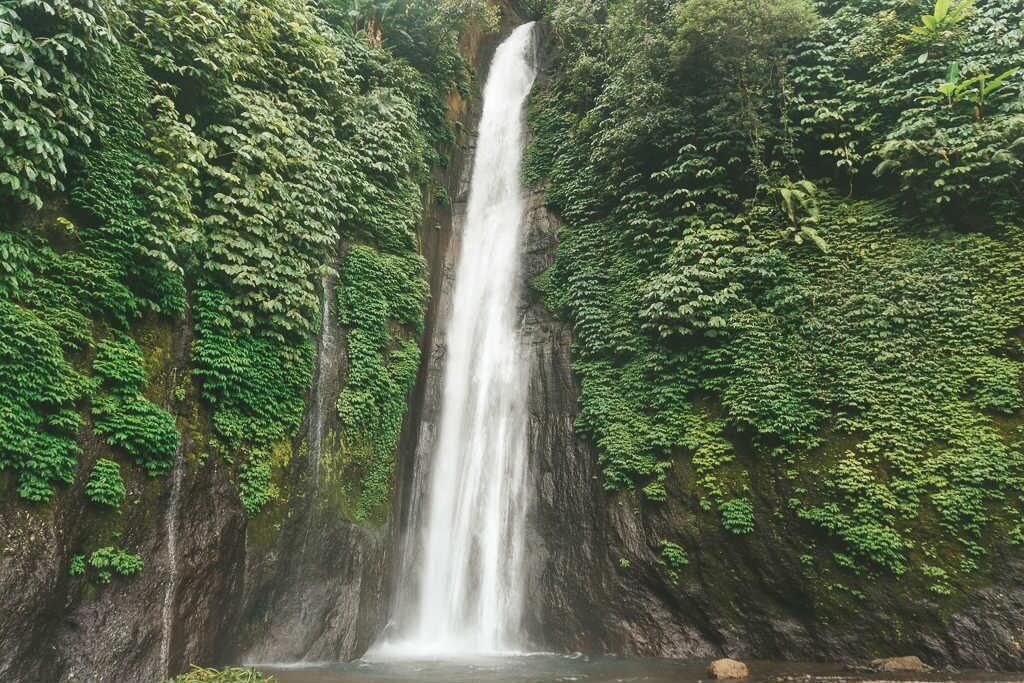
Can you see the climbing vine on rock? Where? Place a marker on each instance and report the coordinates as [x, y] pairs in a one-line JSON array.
[[383, 315], [123, 416], [159, 157], [784, 255]]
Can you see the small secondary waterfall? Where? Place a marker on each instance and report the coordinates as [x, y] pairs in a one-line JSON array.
[[463, 583], [171, 587]]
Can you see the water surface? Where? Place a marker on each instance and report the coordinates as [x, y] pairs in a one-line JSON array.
[[559, 669]]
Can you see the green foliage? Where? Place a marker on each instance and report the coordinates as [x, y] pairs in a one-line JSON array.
[[59, 276], [798, 203], [123, 416], [229, 675], [862, 356], [941, 22], [381, 302], [105, 485], [737, 515], [235, 146], [45, 109], [110, 560], [256, 386], [38, 400], [731, 34], [974, 90], [855, 97], [672, 558], [77, 566]]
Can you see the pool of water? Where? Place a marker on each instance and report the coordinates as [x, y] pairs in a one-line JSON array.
[[560, 668]]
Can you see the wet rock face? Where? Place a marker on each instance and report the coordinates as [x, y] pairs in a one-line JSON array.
[[55, 627], [313, 580], [597, 563]]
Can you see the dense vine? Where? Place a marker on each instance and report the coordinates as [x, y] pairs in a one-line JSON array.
[[854, 335]]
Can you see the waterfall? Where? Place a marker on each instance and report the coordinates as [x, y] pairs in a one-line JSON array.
[[171, 586], [462, 585]]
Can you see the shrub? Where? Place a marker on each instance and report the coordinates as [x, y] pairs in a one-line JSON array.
[[105, 485], [38, 400], [737, 515], [672, 558], [110, 560], [123, 416], [229, 675]]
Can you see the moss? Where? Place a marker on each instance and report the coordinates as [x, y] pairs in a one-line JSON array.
[[155, 337], [342, 479]]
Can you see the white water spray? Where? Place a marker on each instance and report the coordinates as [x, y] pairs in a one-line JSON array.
[[463, 591]]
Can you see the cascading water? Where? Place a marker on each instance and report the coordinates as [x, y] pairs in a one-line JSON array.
[[171, 587], [462, 588]]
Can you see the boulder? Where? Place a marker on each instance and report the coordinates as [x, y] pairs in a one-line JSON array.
[[727, 668], [910, 663]]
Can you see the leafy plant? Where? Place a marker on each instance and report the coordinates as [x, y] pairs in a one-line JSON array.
[[123, 416], [45, 111], [38, 400], [798, 203], [77, 565], [737, 515], [109, 560], [944, 18], [973, 90], [672, 558], [105, 485]]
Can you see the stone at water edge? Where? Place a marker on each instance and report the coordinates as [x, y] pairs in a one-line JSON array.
[[727, 668], [910, 663]]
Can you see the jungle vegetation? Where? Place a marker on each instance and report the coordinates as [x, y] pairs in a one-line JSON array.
[[792, 253], [212, 165], [792, 258]]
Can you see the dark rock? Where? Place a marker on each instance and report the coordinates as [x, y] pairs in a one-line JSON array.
[[55, 627]]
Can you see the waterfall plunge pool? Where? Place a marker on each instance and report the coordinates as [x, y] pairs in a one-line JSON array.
[[552, 668]]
